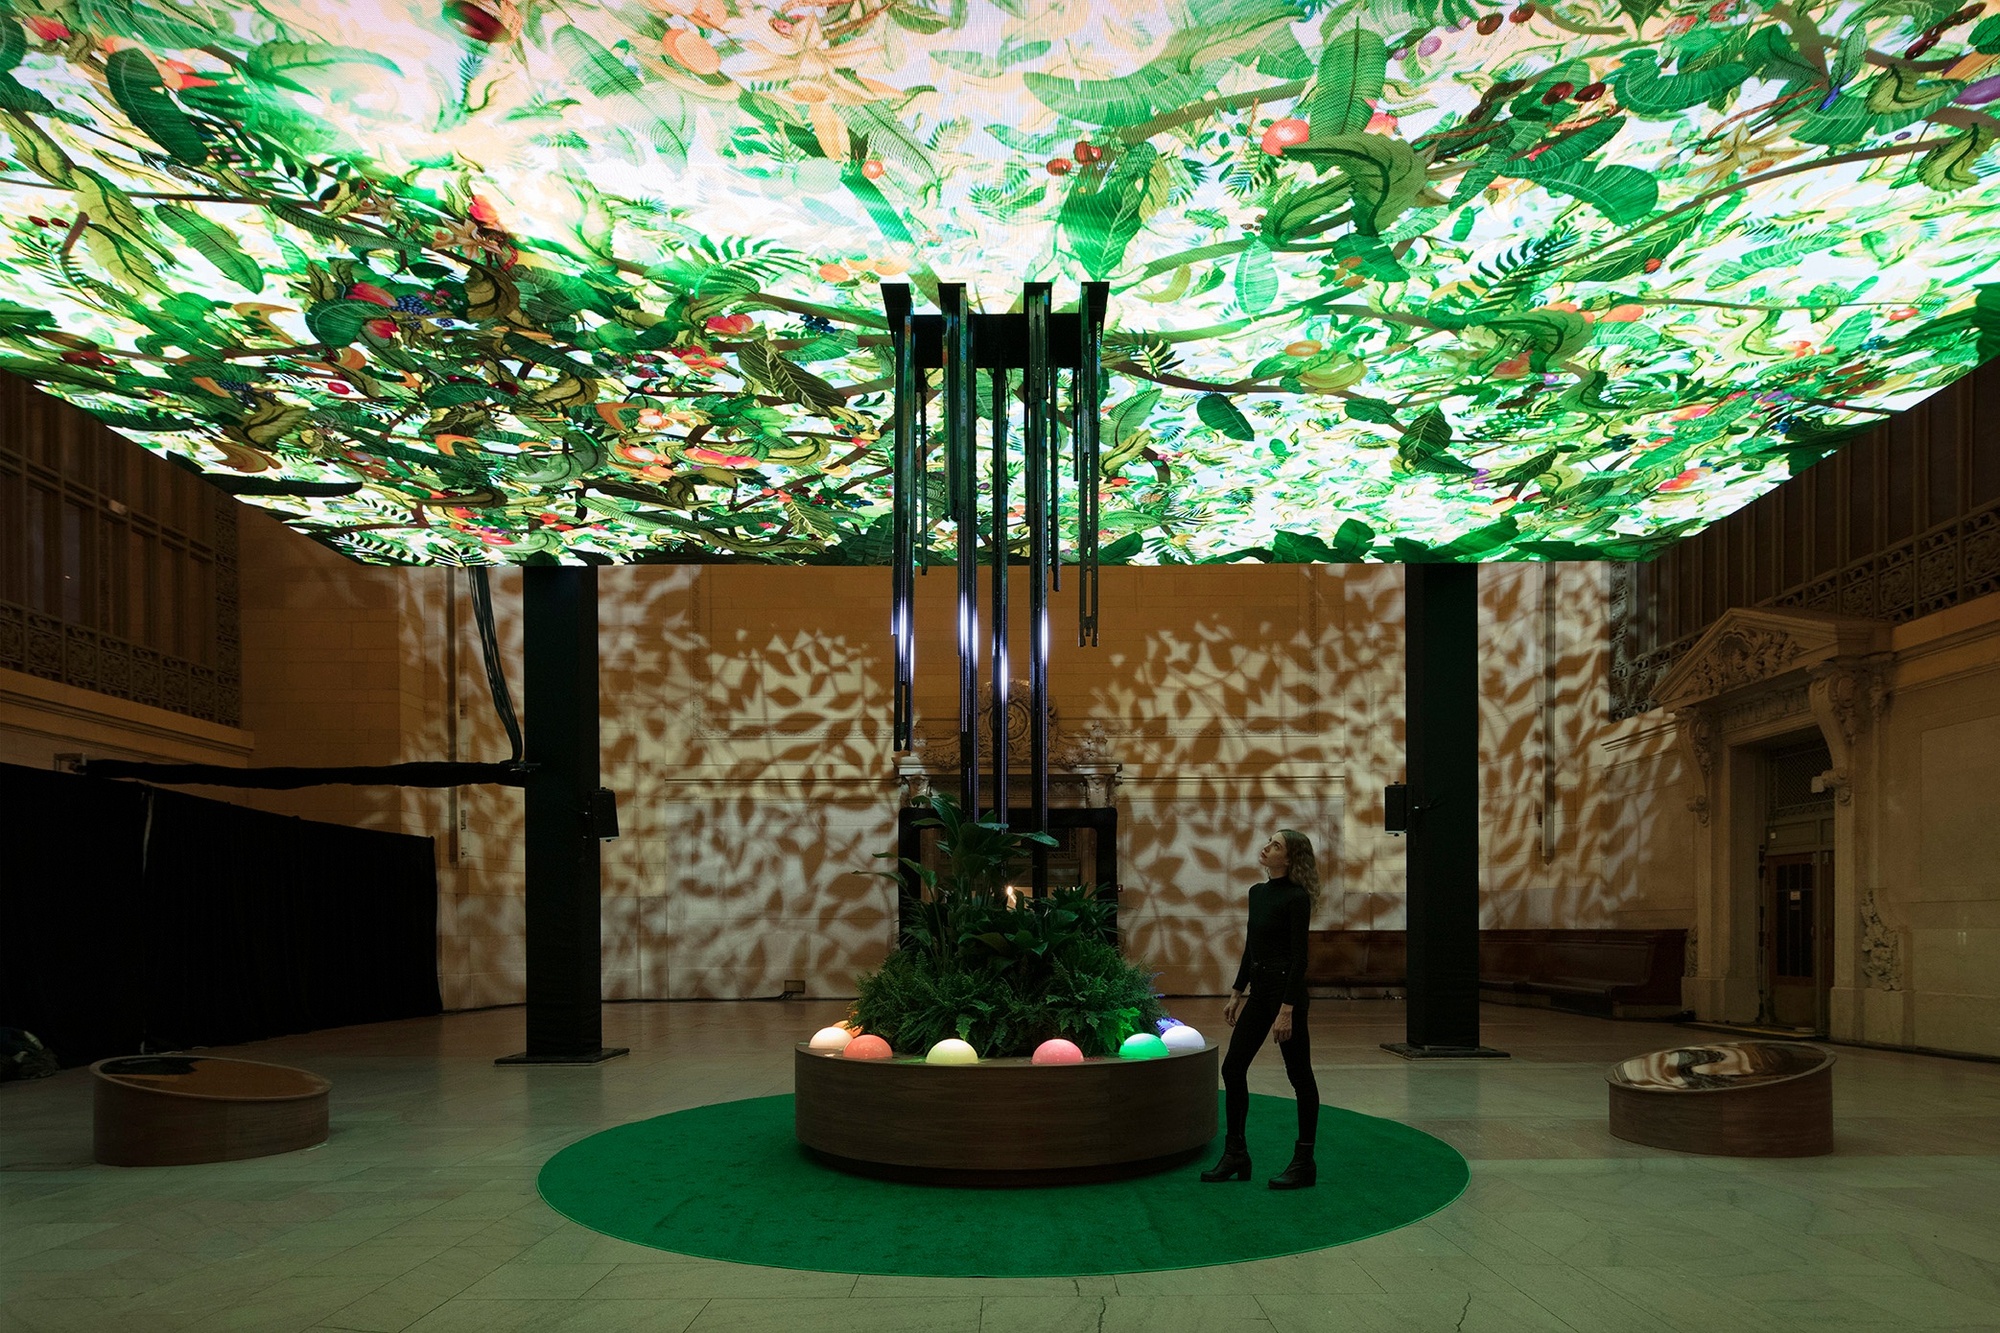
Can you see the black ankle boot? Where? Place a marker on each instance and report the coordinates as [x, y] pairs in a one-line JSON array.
[[1235, 1163], [1301, 1174]]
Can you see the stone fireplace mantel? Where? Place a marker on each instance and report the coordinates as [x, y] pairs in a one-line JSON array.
[[1081, 770]]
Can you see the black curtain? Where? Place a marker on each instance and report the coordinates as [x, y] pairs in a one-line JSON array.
[[132, 915]]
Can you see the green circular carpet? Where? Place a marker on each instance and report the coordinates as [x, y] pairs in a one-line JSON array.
[[730, 1182]]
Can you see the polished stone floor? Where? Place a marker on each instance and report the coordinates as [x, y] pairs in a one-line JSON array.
[[420, 1213]]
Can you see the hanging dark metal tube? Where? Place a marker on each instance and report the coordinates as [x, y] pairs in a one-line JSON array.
[[1086, 396], [961, 343], [961, 416], [902, 594], [1001, 683], [1035, 444]]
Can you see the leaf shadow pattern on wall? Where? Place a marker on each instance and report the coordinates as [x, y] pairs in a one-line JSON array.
[[487, 282]]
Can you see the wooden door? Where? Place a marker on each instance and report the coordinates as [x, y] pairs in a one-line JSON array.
[[1797, 888]]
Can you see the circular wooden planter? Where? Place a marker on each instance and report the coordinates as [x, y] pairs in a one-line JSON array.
[[1006, 1121], [177, 1110], [1731, 1099]]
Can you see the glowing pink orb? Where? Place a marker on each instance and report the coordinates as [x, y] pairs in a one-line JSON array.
[[868, 1046], [1056, 1051]]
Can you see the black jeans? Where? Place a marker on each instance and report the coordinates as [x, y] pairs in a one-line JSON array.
[[1260, 1010]]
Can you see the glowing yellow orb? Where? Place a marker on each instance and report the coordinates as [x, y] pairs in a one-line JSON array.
[[952, 1051]]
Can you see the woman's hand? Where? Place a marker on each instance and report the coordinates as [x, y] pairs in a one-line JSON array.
[[1282, 1029], [1233, 1008]]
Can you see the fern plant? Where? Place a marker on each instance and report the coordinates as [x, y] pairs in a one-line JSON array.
[[1002, 976]]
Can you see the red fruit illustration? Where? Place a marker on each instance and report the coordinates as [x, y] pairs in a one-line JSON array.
[[482, 22], [1284, 134]]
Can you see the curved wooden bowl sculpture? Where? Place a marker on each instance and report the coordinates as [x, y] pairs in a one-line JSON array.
[[1006, 1121], [1731, 1099], [177, 1110]]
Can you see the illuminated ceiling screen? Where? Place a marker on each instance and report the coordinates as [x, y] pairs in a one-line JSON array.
[[1391, 279]]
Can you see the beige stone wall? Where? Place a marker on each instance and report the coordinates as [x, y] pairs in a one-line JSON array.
[[1940, 836], [746, 732], [745, 729]]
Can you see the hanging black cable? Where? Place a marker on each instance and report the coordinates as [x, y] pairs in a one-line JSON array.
[[489, 650]]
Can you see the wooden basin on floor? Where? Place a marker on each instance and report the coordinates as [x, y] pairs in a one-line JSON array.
[[177, 1110], [1729, 1099], [1006, 1121]]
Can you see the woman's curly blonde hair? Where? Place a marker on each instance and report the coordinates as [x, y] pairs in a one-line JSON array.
[[1301, 866]]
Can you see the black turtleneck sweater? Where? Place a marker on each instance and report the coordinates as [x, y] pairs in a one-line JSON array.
[[1280, 913]]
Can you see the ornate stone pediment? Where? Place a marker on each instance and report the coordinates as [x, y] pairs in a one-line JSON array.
[[1081, 770], [1757, 646]]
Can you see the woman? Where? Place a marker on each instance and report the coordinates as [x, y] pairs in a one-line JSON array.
[[1273, 973]]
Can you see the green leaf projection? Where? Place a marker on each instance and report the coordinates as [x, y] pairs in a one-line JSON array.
[[519, 280]]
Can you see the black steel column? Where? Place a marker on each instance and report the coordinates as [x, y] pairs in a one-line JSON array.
[[1441, 646], [564, 920]]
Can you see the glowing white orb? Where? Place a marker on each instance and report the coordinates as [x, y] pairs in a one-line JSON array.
[[1181, 1037], [831, 1039]]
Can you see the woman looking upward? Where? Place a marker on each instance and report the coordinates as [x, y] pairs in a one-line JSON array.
[[1269, 996]]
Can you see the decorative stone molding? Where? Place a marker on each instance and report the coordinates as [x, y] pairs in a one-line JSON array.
[[1849, 694], [1753, 648], [1695, 729], [1951, 563], [1081, 771], [1693, 966], [1881, 948], [1757, 668], [1739, 656]]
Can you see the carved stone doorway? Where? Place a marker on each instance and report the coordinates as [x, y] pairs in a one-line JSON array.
[[1756, 682]]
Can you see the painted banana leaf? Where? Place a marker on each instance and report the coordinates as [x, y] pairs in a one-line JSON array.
[[519, 280]]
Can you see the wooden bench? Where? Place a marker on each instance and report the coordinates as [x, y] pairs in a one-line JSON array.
[[178, 1110], [1622, 973]]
